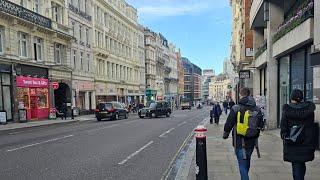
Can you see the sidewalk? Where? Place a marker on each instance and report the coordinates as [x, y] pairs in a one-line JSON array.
[[16, 125], [222, 164]]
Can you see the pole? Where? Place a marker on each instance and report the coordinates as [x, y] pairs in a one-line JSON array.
[[201, 154]]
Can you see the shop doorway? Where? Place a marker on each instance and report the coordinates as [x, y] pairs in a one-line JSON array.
[[34, 107], [62, 95]]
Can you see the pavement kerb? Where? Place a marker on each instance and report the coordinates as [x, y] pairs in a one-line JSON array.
[[184, 169], [4, 131]]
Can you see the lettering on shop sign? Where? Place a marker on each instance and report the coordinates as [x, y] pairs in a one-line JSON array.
[[31, 82]]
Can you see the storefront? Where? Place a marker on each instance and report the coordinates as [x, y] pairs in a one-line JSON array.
[[33, 95], [83, 96], [295, 72], [5, 90]]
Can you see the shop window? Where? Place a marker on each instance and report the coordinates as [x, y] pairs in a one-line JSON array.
[[1, 39], [23, 97], [297, 70], [37, 46], [23, 44], [42, 94], [309, 78]]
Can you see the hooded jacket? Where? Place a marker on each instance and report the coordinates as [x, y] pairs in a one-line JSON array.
[[298, 115], [247, 103]]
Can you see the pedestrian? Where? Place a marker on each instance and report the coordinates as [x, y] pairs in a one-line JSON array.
[[231, 104], [239, 122], [216, 113], [225, 106], [64, 110], [298, 133]]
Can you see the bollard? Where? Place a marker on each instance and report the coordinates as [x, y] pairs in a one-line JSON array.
[[201, 154], [72, 113]]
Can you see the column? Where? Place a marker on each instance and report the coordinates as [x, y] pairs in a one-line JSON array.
[[93, 99], [73, 100], [276, 18], [86, 100]]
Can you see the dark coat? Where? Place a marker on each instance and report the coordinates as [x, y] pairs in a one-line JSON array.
[[216, 111], [231, 104], [298, 114], [225, 104], [247, 103]]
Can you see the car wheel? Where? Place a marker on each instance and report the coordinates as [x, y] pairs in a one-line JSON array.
[[116, 117], [168, 114], [153, 115], [141, 117]]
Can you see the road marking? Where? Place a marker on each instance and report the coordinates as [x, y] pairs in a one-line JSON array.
[[135, 153], [184, 122], [102, 128], [167, 132], [18, 132], [39, 143]]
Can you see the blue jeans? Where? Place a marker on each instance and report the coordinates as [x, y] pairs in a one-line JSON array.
[[298, 171], [244, 164]]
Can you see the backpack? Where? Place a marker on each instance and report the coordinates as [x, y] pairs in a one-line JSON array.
[[248, 123]]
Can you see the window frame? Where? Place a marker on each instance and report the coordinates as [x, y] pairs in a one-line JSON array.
[[25, 40], [58, 48], [38, 45]]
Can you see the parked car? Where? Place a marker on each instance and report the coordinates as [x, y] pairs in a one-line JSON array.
[[111, 110], [156, 109]]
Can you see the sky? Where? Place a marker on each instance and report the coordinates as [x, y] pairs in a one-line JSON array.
[[200, 28]]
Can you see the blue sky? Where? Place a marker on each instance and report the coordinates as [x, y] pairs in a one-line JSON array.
[[200, 28]]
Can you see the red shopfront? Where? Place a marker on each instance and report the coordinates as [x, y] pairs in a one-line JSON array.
[[33, 95]]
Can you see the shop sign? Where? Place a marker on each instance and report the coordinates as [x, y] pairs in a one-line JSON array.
[[55, 85], [3, 117], [32, 82], [244, 74]]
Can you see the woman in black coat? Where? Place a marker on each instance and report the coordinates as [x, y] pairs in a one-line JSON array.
[[298, 114]]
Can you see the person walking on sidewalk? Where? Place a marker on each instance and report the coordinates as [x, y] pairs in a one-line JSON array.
[[225, 106], [64, 110], [245, 114], [298, 133], [216, 113]]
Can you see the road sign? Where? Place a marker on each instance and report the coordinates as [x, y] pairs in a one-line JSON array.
[[55, 85], [245, 74]]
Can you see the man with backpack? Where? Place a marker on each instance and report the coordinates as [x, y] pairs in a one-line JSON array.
[[245, 120]]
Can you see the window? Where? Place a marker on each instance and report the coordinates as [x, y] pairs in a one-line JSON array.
[[73, 28], [80, 33], [37, 46], [87, 36], [58, 53], [1, 40], [57, 13], [74, 59], [23, 44], [37, 6], [85, 6], [81, 60], [88, 61], [23, 3]]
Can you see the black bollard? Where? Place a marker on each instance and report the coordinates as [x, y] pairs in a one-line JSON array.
[[201, 154], [72, 115]]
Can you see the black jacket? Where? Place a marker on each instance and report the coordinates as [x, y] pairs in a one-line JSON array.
[[247, 103], [216, 111], [298, 114]]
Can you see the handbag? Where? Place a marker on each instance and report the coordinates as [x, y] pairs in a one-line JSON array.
[[295, 132]]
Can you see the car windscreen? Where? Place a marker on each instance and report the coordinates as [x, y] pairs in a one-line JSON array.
[[105, 106], [153, 105]]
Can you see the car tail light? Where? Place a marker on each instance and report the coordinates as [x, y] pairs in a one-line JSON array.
[[96, 110], [111, 110]]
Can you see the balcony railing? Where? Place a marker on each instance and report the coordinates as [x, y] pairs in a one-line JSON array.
[[261, 49], [23, 13], [305, 12], [79, 12]]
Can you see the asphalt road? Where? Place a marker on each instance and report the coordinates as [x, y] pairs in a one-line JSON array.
[[126, 149]]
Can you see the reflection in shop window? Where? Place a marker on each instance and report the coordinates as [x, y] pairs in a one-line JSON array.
[[23, 97], [43, 97]]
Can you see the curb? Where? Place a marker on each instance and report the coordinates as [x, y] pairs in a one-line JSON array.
[[185, 155]]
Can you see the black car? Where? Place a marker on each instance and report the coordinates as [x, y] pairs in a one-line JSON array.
[[111, 110], [156, 109]]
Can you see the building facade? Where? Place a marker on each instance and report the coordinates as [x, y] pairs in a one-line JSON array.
[[80, 22], [219, 88], [206, 79], [286, 45], [34, 52], [115, 50], [180, 70], [150, 64], [242, 40]]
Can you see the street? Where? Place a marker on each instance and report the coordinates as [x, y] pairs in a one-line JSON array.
[[125, 149]]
